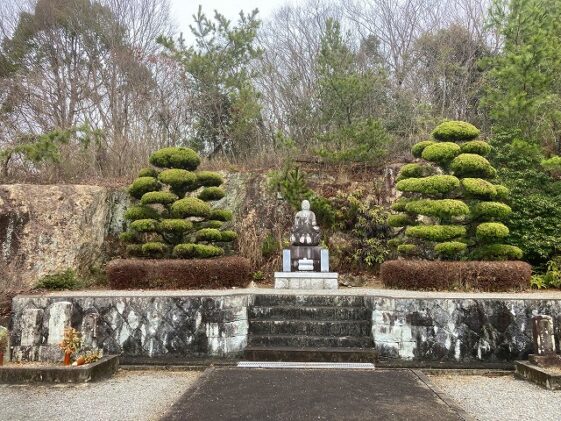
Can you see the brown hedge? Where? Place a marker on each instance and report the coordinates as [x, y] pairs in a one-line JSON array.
[[453, 276], [221, 272]]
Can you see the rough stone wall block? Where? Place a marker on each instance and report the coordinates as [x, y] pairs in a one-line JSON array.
[[59, 318], [543, 333], [31, 322]]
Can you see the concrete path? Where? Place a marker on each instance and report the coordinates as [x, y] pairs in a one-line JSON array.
[[285, 394]]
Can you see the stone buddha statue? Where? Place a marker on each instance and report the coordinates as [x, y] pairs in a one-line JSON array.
[[305, 231]]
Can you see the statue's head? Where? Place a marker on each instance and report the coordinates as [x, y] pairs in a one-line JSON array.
[[305, 205]]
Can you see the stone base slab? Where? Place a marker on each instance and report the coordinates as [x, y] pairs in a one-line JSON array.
[[306, 280], [550, 378]]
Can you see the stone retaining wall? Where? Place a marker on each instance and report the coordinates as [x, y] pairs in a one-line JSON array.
[[163, 324]]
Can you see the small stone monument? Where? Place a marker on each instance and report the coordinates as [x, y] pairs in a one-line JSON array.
[[305, 265]]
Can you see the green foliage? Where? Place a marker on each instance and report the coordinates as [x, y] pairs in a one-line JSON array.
[[144, 225], [220, 215], [400, 204], [371, 251], [418, 148], [192, 250], [406, 249], [214, 224], [176, 157], [59, 281], [477, 147], [141, 212], [552, 165], [143, 185], [479, 188], [497, 252], [441, 153], [134, 250], [208, 234], [175, 225], [490, 231], [128, 237], [270, 246], [436, 232], [552, 277], [191, 206], [432, 185], [154, 249], [148, 172], [414, 170], [502, 192], [399, 220], [211, 193], [443, 209], [491, 210], [209, 179], [155, 197], [450, 248], [472, 165], [394, 242], [179, 180], [228, 235], [455, 131]]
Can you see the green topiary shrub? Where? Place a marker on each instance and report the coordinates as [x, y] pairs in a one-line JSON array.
[[418, 149], [455, 131], [441, 153], [211, 193], [176, 157], [435, 185], [478, 147], [415, 170], [172, 209], [143, 185], [406, 248], [395, 242], [59, 281], [472, 165], [460, 209], [158, 197]]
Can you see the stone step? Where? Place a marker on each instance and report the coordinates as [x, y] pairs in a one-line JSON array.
[[310, 341], [310, 313], [254, 353], [310, 327], [309, 300]]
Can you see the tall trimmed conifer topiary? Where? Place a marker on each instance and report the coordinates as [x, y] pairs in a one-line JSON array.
[[451, 208], [172, 216]]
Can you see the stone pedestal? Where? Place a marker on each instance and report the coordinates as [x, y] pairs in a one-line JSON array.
[[306, 280]]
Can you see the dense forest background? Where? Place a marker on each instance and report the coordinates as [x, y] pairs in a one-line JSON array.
[[88, 88]]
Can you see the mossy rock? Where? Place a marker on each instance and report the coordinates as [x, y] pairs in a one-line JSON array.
[[179, 180], [443, 208], [450, 248], [208, 234], [191, 206], [497, 252], [176, 157], [399, 220], [437, 233], [143, 185], [228, 236], [491, 210], [479, 188], [141, 212], [490, 231], [154, 249], [406, 249], [478, 147], [414, 170], [472, 165], [192, 250], [175, 225], [432, 185], [144, 225], [455, 131], [441, 153], [148, 172], [221, 215], [209, 179], [158, 197], [418, 148], [211, 193]]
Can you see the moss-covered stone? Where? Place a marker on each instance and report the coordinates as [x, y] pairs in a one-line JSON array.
[[455, 131], [176, 157]]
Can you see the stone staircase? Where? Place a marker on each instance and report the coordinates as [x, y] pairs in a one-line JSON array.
[[310, 328]]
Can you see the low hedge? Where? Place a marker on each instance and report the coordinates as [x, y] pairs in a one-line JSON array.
[[217, 273], [451, 276]]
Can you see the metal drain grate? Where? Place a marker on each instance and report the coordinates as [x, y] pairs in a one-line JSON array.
[[283, 364]]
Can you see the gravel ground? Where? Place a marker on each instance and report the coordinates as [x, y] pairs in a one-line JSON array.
[[129, 395], [500, 398]]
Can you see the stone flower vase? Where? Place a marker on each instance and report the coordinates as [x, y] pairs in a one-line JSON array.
[[67, 355]]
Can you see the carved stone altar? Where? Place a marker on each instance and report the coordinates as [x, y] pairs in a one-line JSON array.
[[305, 265]]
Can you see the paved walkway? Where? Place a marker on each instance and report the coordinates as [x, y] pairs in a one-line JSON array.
[[284, 394]]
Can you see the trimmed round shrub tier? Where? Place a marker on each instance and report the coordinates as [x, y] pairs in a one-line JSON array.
[[406, 248], [436, 232], [455, 131], [141, 212], [491, 231], [144, 225], [211, 193], [175, 157], [203, 251], [443, 208], [143, 185], [478, 147], [491, 210], [191, 206], [178, 179], [418, 148], [456, 276], [472, 165], [148, 172], [158, 197], [450, 248], [414, 170], [432, 185], [479, 188], [497, 252], [209, 179], [221, 215], [399, 220], [208, 234], [175, 225], [221, 272], [441, 153]]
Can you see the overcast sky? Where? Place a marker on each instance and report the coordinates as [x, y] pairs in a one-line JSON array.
[[182, 10]]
